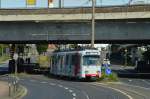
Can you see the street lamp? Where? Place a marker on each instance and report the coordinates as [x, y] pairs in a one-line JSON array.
[[93, 24]]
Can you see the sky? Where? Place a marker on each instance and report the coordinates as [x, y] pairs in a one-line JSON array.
[[67, 3]]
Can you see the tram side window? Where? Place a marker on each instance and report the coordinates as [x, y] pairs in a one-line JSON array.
[[74, 60], [67, 60], [53, 61]]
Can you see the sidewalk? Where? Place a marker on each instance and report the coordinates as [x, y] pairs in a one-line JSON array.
[[4, 90]]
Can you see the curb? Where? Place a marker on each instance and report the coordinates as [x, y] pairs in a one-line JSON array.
[[22, 93]]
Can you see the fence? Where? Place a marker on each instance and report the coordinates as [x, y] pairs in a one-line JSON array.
[[14, 86]]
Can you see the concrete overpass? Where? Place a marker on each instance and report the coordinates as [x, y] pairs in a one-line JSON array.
[[73, 25]]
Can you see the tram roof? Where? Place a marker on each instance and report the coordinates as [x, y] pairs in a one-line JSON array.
[[76, 49]]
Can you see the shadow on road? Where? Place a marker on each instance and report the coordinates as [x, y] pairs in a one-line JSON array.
[[131, 73], [71, 79], [4, 70]]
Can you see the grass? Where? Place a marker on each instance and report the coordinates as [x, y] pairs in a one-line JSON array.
[[108, 78]]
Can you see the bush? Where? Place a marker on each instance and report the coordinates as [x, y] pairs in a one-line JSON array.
[[111, 77]]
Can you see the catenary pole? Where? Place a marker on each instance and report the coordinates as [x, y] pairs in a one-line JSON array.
[[93, 24]]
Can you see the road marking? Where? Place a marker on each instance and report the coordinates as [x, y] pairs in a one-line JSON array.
[[66, 88], [137, 86], [129, 80], [60, 85], [43, 82], [74, 94], [87, 96], [146, 82], [102, 85], [70, 91], [52, 84]]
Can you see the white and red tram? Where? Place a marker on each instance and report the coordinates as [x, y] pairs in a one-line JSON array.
[[76, 63]]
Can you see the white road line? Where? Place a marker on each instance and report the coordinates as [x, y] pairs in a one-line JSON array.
[[146, 82], [102, 85], [137, 86], [87, 96], [74, 97], [52, 84], [60, 85], [74, 94], [43, 82], [70, 91], [129, 80], [66, 88]]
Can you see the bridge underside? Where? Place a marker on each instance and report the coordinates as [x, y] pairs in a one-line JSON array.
[[74, 32]]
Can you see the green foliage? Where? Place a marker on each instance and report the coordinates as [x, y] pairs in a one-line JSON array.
[[107, 78], [4, 58], [2, 48], [41, 48], [74, 45]]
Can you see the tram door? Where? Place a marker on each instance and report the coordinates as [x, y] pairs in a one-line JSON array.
[[68, 65], [75, 64]]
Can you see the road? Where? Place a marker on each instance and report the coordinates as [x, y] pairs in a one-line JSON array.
[[42, 87]]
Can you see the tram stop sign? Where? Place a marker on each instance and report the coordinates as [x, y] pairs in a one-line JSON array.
[[108, 71]]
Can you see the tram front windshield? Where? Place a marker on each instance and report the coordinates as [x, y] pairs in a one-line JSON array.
[[89, 60]]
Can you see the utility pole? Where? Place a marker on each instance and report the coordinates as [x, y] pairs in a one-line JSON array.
[[93, 24]]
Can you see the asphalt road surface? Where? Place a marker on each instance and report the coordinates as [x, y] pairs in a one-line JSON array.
[[40, 87]]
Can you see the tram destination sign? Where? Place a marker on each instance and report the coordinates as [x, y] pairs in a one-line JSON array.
[[92, 53]]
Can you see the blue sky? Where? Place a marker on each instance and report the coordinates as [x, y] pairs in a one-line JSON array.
[[67, 3]]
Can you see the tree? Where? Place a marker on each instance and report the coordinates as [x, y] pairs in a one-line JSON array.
[[41, 48], [2, 48]]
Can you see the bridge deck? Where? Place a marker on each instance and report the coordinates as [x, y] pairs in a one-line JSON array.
[[113, 9]]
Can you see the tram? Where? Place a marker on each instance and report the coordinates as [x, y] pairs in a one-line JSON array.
[[83, 63]]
